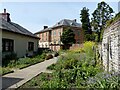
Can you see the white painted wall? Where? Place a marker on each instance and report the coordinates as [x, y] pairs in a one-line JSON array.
[[20, 42]]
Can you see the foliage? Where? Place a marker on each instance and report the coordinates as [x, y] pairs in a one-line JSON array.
[[104, 80], [52, 67], [75, 70], [67, 37], [0, 70], [42, 56], [56, 54], [109, 22], [39, 81], [88, 48], [5, 70], [8, 58], [100, 16], [78, 50], [49, 56], [86, 24], [72, 70], [22, 63]]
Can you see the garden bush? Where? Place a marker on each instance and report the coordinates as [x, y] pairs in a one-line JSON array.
[[52, 67], [8, 57], [56, 54], [88, 48], [22, 63], [6, 70], [49, 56], [77, 69], [104, 80], [43, 56]]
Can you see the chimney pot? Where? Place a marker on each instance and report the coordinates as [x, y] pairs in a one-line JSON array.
[[45, 27], [75, 20], [4, 10]]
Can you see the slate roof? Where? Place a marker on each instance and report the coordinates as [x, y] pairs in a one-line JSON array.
[[13, 27], [67, 22], [64, 22], [47, 29]]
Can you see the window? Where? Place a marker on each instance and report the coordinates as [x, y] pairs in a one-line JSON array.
[[7, 45], [59, 33], [54, 33], [46, 36], [78, 33], [42, 37], [30, 46]]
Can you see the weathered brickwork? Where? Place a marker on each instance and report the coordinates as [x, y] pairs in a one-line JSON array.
[[111, 47]]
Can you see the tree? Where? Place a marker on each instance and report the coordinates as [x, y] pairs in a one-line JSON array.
[[67, 37], [86, 24], [100, 17]]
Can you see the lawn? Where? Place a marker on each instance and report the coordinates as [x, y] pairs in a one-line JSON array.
[[79, 68]]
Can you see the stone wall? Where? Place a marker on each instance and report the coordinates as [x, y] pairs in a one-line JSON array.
[[111, 47]]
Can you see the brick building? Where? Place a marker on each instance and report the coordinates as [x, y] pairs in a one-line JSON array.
[[50, 37]]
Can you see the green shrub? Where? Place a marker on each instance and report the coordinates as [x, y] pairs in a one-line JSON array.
[[75, 69], [43, 55], [52, 67], [0, 70], [49, 56], [104, 80], [6, 70], [56, 54], [8, 57], [88, 48]]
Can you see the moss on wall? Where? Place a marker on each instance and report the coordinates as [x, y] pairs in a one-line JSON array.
[[109, 22]]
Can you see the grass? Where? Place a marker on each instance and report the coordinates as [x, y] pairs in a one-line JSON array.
[[6, 70], [22, 63]]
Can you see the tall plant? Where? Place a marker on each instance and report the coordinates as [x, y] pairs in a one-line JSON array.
[[86, 23]]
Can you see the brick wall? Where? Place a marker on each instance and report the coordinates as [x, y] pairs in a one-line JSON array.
[[53, 37], [44, 39]]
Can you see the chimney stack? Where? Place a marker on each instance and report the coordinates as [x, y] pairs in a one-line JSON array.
[[4, 10], [75, 20], [5, 16], [45, 27]]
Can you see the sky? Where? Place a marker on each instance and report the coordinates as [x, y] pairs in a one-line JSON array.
[[34, 15]]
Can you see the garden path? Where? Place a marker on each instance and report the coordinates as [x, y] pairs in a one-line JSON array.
[[19, 77]]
